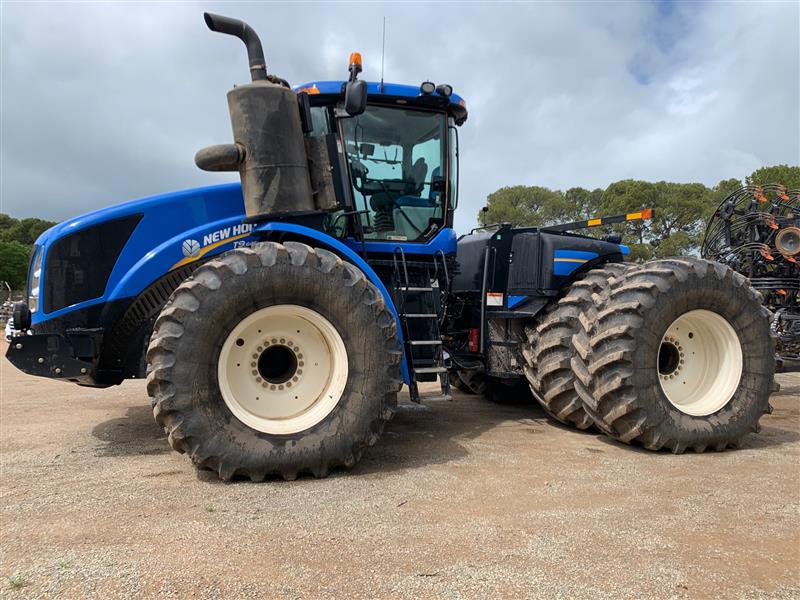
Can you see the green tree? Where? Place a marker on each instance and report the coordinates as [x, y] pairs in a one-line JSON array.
[[24, 231], [627, 196], [582, 204], [723, 189], [682, 210], [524, 206], [14, 263], [783, 174]]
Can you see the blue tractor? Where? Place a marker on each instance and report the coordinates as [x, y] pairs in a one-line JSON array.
[[276, 320]]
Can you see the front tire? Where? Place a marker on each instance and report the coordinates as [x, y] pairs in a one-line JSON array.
[[274, 361]]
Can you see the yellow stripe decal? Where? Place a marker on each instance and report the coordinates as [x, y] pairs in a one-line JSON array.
[[593, 222], [206, 250], [576, 260], [633, 216]]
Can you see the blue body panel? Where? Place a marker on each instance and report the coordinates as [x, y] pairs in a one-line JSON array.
[[208, 215], [444, 241], [373, 88], [514, 301], [567, 261]]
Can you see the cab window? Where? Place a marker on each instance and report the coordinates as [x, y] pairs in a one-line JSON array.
[[397, 171]]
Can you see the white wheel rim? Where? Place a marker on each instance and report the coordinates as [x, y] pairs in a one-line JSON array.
[[282, 369], [699, 362]]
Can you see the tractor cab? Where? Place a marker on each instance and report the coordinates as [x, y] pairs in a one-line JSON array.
[[399, 159]]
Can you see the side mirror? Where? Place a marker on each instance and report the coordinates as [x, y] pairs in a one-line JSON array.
[[355, 97]]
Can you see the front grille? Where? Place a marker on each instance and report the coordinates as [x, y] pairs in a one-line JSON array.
[[79, 264]]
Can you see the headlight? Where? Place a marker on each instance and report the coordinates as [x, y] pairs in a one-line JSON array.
[[33, 285]]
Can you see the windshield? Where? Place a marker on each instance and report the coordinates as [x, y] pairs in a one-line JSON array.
[[397, 170]]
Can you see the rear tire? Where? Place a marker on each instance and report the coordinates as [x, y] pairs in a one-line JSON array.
[[677, 355], [236, 416], [548, 350]]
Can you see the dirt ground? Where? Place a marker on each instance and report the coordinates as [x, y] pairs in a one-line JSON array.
[[462, 499]]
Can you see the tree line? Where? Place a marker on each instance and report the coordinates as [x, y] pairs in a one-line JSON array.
[[681, 209]]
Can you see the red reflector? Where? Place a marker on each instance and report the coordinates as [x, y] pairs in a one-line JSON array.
[[473, 339]]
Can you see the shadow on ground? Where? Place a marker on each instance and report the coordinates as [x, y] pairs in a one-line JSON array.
[[421, 435], [418, 436], [135, 434]]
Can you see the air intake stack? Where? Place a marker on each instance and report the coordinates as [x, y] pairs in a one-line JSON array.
[[269, 148]]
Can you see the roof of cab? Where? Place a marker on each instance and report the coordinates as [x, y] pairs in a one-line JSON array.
[[390, 91]]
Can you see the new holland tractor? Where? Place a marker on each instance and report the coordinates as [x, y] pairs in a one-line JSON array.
[[276, 319]]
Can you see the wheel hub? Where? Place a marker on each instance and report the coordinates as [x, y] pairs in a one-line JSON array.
[[277, 363], [282, 369], [700, 362]]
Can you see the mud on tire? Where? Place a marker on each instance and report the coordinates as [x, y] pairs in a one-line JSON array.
[[548, 350], [189, 334], [623, 372]]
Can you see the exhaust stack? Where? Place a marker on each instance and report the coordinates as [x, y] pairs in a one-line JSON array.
[[269, 148], [240, 29]]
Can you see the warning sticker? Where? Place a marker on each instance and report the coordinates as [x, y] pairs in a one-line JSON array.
[[494, 299]]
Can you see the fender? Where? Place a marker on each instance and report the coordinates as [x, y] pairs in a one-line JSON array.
[[315, 237]]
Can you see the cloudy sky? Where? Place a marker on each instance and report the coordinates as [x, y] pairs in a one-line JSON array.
[[105, 102]]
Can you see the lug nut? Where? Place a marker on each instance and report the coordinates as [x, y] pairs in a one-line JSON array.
[[19, 346], [40, 360]]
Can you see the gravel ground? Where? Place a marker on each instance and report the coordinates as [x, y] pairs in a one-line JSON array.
[[460, 499]]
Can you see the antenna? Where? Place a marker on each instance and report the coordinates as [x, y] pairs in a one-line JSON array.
[[383, 51]]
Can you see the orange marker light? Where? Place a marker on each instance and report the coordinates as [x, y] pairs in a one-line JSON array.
[[647, 213], [355, 58], [309, 90]]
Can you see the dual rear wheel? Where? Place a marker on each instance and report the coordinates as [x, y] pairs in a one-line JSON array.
[[671, 354]]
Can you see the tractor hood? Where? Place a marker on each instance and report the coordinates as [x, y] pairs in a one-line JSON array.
[[115, 252]]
